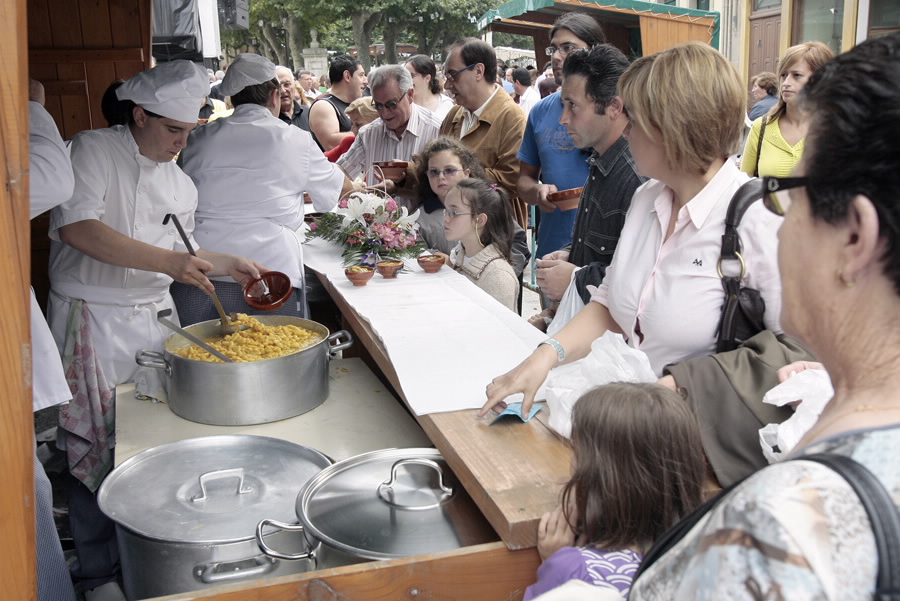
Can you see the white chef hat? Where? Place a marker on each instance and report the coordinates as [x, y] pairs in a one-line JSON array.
[[247, 70], [174, 89]]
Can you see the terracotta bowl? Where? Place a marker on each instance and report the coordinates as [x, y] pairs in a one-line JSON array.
[[359, 274], [431, 263], [566, 199], [268, 292], [388, 269], [393, 170]]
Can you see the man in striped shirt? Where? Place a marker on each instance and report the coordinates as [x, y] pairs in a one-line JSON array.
[[402, 129]]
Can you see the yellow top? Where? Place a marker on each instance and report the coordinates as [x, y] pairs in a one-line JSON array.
[[778, 158]]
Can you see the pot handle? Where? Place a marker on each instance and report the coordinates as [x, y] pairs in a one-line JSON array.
[[153, 359], [334, 345], [400, 498], [281, 526], [226, 571], [237, 472]]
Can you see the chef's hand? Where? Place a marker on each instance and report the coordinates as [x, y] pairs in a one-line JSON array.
[[553, 277], [186, 268], [526, 378], [554, 533], [239, 268]]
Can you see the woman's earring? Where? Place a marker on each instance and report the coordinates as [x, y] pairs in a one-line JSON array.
[[840, 276]]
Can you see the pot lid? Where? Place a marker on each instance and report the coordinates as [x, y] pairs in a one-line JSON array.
[[213, 489], [391, 503]]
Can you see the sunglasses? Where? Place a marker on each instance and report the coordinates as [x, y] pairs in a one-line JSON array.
[[776, 197], [389, 105]]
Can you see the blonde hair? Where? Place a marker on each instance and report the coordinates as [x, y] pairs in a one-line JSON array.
[[699, 122], [363, 107], [815, 54]]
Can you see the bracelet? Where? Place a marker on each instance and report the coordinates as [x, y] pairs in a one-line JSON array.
[[560, 351]]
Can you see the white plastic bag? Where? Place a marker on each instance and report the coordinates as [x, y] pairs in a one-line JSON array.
[[813, 387], [610, 360], [569, 306]]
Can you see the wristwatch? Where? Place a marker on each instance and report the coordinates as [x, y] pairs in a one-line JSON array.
[[560, 351]]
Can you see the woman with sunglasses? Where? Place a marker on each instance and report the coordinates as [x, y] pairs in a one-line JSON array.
[[796, 530], [785, 125], [662, 290]]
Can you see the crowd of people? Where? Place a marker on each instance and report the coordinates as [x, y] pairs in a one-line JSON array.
[[643, 255]]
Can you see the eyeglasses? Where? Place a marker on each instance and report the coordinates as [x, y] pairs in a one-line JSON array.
[[563, 49], [452, 75], [448, 172], [451, 214], [776, 197], [389, 105]]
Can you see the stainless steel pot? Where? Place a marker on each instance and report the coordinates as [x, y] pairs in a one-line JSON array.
[[256, 392], [383, 505], [186, 512]]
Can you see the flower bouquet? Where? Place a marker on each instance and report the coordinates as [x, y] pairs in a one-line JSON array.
[[371, 228]]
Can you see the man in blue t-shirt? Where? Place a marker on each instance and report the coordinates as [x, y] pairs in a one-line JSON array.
[[549, 159]]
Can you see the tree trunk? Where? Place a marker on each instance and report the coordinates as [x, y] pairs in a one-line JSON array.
[[363, 23], [273, 42], [296, 42], [391, 33]]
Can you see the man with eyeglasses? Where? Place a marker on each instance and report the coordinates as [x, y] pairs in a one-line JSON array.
[[290, 110], [550, 160], [401, 131], [489, 123]]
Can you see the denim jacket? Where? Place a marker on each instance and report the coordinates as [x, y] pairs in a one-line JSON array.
[[607, 195]]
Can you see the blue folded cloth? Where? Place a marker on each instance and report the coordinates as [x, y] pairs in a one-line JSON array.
[[516, 409]]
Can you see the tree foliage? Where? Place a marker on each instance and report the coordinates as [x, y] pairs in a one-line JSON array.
[[280, 29]]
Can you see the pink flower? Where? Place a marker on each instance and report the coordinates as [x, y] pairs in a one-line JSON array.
[[343, 204], [313, 226], [390, 205]]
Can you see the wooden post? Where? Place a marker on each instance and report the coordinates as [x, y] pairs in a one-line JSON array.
[[17, 434]]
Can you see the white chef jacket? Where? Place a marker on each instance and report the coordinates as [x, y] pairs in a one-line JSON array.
[[132, 194], [669, 290], [51, 182], [251, 170]]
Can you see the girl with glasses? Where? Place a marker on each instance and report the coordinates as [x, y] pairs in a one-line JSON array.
[[477, 215]]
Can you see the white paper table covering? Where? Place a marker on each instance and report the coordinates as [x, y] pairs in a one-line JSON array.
[[445, 337]]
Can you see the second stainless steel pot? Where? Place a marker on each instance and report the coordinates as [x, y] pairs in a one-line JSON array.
[[255, 392]]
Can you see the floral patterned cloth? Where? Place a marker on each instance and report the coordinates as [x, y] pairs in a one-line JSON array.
[[89, 419], [794, 531]]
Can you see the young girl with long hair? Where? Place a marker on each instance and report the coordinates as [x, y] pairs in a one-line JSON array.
[[637, 469], [477, 215]]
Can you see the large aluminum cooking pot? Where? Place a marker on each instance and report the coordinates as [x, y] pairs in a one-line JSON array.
[[186, 512], [384, 505], [255, 392]]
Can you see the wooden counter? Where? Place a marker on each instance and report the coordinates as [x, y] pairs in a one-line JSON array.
[[514, 471]]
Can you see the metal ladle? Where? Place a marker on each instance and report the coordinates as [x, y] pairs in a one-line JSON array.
[[224, 318], [161, 318]]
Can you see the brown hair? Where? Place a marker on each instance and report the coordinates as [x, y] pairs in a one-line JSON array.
[[767, 81], [815, 54], [639, 465], [466, 157], [700, 122], [492, 201]]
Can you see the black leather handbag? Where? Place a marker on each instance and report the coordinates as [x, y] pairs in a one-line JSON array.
[[743, 310]]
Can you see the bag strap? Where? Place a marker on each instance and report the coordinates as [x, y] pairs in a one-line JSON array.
[[746, 195], [762, 133], [883, 516]]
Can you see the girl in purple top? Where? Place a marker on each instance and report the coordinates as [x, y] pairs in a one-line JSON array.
[[638, 467]]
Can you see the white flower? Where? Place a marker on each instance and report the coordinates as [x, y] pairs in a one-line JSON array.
[[407, 221]]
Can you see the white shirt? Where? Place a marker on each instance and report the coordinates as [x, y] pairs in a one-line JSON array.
[[376, 142], [251, 170], [528, 99], [132, 194], [51, 183], [670, 291], [444, 105]]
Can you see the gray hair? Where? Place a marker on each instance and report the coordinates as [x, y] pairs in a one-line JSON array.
[[385, 73]]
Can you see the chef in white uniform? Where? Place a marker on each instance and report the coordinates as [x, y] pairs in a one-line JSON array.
[[251, 171], [110, 247], [50, 183]]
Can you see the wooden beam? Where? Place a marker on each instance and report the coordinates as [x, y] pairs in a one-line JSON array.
[[72, 87], [488, 571], [85, 55]]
